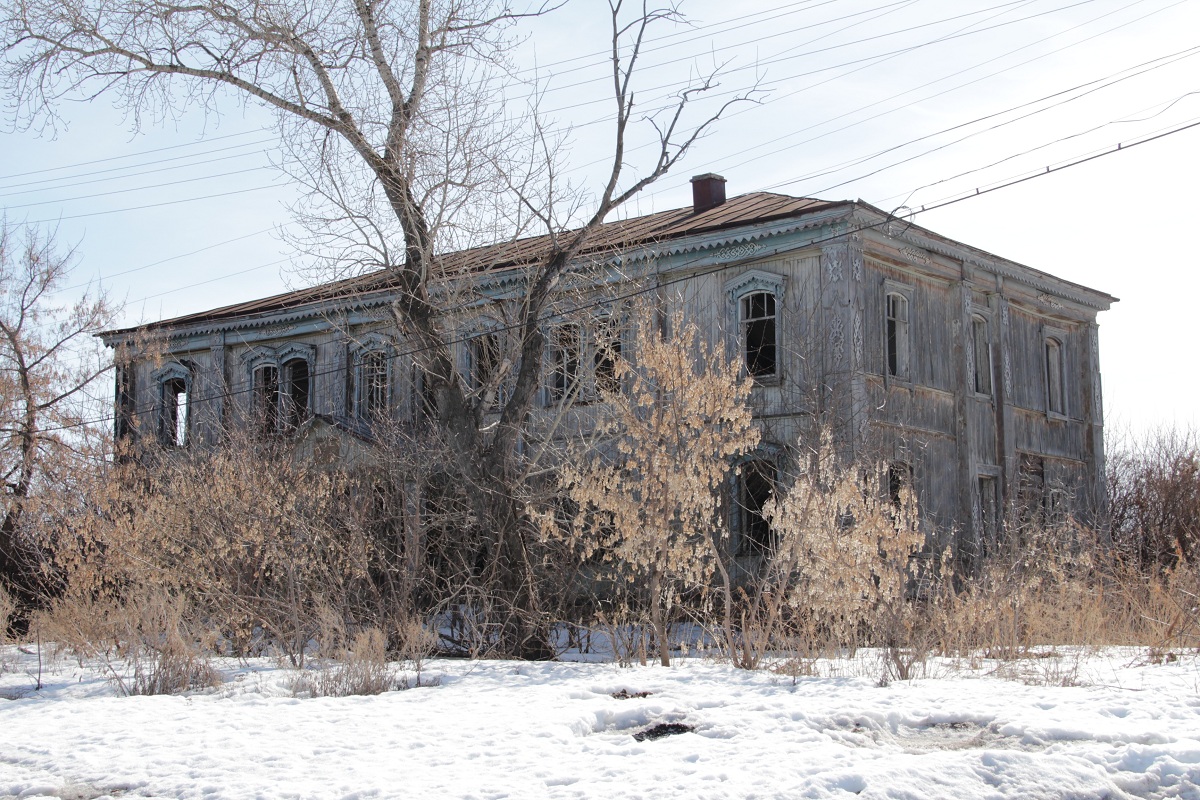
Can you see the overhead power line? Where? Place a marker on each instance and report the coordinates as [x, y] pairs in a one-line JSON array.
[[608, 301]]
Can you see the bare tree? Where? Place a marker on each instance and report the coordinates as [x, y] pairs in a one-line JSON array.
[[394, 112], [47, 362]]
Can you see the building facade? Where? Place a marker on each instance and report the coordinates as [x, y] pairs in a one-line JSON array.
[[972, 377]]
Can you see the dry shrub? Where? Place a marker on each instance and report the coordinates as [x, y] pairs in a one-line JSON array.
[[145, 639], [840, 564], [362, 670], [266, 549], [651, 503]]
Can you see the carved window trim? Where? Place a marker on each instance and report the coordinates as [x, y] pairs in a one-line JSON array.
[[486, 339], [172, 382], [897, 323], [766, 325], [372, 377], [272, 385]]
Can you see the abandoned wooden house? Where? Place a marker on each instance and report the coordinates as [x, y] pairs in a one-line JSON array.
[[973, 377]]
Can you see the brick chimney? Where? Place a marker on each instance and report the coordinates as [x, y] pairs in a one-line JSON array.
[[708, 191]]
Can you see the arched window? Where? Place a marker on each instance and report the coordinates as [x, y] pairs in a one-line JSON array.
[[1055, 401], [174, 405], [897, 334], [372, 384], [370, 377], [982, 348], [758, 331], [266, 399], [566, 351], [606, 351], [296, 392], [485, 354]]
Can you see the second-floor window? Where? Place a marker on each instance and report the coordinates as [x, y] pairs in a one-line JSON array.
[[566, 343], [758, 334], [485, 356], [296, 392], [1055, 401], [897, 335], [266, 398], [175, 411], [983, 355], [372, 374]]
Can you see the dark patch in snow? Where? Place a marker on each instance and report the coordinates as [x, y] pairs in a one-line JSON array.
[[661, 730], [625, 694]]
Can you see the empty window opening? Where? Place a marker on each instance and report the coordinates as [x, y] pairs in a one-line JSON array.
[[485, 354], [266, 399], [1054, 377], [899, 479], [176, 407], [983, 355], [758, 334], [755, 487], [125, 402], [897, 335], [426, 400], [608, 353], [297, 391], [564, 379]]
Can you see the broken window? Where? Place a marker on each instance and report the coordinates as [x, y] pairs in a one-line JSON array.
[[266, 399], [1054, 377], [175, 410], [756, 484], [484, 352], [897, 335], [607, 345], [758, 330], [297, 389], [565, 357], [899, 479], [425, 402], [125, 404], [983, 355]]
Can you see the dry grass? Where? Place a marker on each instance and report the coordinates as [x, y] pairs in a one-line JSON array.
[[363, 670], [144, 640]]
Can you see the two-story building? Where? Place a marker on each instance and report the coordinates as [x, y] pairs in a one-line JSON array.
[[972, 376]]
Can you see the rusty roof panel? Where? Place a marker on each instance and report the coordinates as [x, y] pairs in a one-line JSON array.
[[658, 227]]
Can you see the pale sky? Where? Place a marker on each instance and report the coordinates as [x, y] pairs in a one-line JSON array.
[[859, 99]]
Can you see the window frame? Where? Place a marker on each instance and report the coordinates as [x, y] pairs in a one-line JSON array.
[[738, 290], [565, 379], [175, 378], [1056, 339], [897, 335], [367, 353], [474, 381], [745, 519], [276, 411], [983, 382]]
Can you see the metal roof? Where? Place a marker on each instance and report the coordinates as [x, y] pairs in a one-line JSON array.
[[745, 209]]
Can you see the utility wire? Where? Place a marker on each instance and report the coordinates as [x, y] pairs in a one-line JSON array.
[[608, 301]]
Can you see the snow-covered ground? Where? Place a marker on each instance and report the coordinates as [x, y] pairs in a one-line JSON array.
[[490, 729]]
